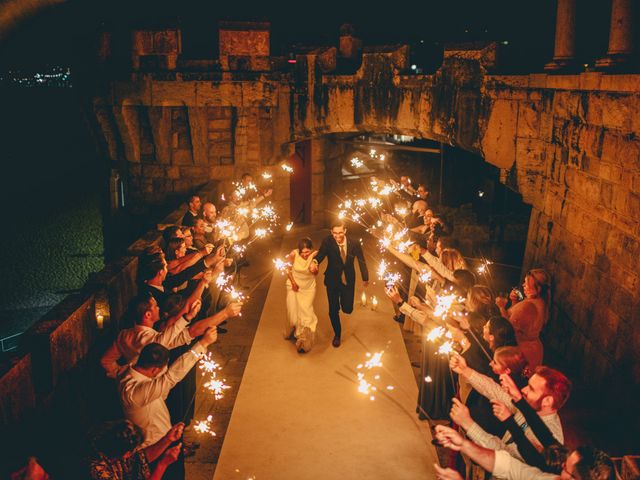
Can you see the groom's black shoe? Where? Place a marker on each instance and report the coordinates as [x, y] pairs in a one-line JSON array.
[[336, 341]]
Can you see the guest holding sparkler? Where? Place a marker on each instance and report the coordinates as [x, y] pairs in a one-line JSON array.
[[530, 314], [118, 455], [340, 275], [301, 292], [436, 383]]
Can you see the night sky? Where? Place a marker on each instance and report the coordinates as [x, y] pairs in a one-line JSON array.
[[52, 35]]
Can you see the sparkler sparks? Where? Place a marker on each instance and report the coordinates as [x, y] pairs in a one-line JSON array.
[[217, 387], [235, 295], [267, 175], [204, 426], [443, 306], [281, 265], [356, 162], [425, 276], [223, 280], [435, 334], [446, 348], [289, 226], [287, 168]]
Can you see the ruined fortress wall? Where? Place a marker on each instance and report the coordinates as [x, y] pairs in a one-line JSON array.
[[568, 144]]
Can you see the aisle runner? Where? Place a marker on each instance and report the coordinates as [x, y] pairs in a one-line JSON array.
[[301, 416]]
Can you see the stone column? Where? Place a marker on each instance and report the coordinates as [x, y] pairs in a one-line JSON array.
[[620, 35], [564, 51]]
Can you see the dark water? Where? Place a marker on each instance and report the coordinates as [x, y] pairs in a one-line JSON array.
[[51, 204]]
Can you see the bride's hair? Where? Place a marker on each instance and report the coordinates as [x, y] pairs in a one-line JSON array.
[[305, 243]]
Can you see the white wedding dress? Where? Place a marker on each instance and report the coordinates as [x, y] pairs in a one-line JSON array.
[[301, 319]]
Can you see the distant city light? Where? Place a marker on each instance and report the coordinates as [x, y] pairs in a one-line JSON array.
[[506, 42], [414, 66], [55, 76], [480, 193]]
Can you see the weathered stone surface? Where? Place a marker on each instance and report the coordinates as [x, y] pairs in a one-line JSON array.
[[571, 141]]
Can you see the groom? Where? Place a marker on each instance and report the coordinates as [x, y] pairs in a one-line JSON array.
[[340, 275]]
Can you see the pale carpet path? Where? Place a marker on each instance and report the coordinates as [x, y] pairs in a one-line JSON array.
[[301, 416]]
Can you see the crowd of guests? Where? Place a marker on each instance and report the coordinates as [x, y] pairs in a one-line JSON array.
[[178, 312], [500, 401], [491, 398]]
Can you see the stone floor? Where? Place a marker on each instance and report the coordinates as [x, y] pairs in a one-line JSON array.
[[232, 351], [309, 379]]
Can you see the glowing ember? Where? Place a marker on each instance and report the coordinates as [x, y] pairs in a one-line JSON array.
[[281, 265], [425, 276], [261, 232], [204, 426], [235, 294], [446, 348], [435, 334], [217, 387], [444, 303], [223, 280]]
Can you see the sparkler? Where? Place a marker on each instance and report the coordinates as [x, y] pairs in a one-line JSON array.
[[217, 387], [289, 226], [266, 175], [281, 265], [443, 306], [235, 295], [356, 162], [425, 276], [204, 426], [262, 232], [223, 280], [435, 334], [287, 168]]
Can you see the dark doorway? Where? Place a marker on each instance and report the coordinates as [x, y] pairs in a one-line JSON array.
[[301, 183]]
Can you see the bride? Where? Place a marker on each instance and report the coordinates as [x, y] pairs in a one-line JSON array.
[[301, 291]]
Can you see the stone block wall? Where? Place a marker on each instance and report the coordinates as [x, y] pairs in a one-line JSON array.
[[567, 143]]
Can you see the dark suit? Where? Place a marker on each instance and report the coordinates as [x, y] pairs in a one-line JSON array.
[[341, 295]]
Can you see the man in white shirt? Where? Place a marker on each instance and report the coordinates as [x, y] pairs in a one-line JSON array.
[[130, 342], [144, 387]]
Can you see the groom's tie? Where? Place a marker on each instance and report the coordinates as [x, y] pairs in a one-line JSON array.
[[343, 256]]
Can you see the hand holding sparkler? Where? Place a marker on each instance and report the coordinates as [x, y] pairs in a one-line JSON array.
[[169, 456], [233, 309], [449, 438], [209, 337], [393, 294], [446, 473], [175, 433], [500, 410], [509, 386], [460, 414], [458, 364], [194, 309]]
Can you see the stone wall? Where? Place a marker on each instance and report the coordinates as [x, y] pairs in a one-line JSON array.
[[567, 143]]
